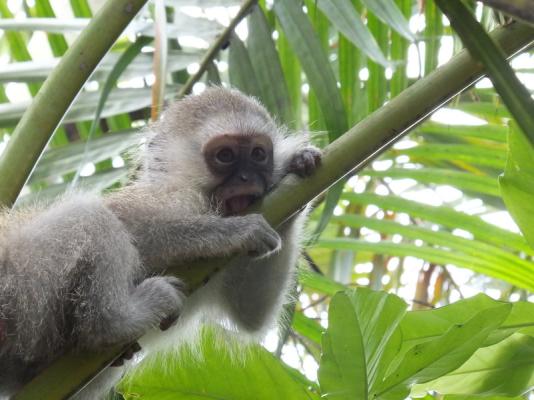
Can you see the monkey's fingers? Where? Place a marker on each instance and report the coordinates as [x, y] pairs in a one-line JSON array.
[[170, 319], [305, 162], [261, 239]]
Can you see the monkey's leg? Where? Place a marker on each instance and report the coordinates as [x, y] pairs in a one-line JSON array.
[[112, 310], [254, 290], [107, 307]]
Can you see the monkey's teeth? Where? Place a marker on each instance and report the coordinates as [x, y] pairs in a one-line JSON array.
[[238, 204]]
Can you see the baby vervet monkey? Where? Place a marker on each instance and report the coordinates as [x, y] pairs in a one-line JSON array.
[[85, 273]]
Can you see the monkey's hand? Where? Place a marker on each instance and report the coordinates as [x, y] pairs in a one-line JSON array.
[[305, 161], [260, 239]]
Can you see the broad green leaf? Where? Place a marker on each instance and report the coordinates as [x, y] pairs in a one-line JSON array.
[[487, 110], [377, 84], [492, 132], [446, 240], [321, 27], [58, 44], [212, 75], [93, 184], [61, 160], [517, 183], [266, 65], [516, 276], [461, 180], [350, 62], [315, 64], [471, 397], [319, 282], [388, 12], [399, 51], [307, 327], [293, 76], [49, 25], [205, 3], [513, 93], [29, 71], [432, 35], [81, 8], [445, 216], [483, 156], [122, 63], [214, 370], [432, 359], [360, 323], [504, 369], [330, 204], [344, 18], [421, 326], [240, 71], [119, 101], [18, 50], [183, 25]]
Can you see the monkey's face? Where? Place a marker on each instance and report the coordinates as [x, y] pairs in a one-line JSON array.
[[243, 168]]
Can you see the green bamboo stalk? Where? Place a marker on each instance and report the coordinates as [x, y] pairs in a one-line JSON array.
[[48, 108], [348, 154]]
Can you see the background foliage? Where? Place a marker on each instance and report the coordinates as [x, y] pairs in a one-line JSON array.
[[427, 222]]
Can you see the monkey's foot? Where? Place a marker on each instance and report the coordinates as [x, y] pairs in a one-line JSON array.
[[305, 161], [163, 297], [127, 355], [171, 318]]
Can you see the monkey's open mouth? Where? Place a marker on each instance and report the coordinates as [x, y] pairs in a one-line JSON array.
[[238, 204]]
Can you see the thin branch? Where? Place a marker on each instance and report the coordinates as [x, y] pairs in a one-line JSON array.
[[315, 303], [351, 152], [288, 313], [312, 264], [305, 343], [453, 282], [219, 43], [422, 303]]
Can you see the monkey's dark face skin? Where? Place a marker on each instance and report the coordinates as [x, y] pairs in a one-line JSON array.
[[243, 166]]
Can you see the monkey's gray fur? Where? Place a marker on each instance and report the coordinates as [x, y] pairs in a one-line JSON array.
[[85, 273]]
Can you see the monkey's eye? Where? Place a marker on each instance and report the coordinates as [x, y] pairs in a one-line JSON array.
[[225, 156], [258, 154]]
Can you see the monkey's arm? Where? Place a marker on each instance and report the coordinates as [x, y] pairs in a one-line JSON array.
[[253, 290], [164, 236]]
